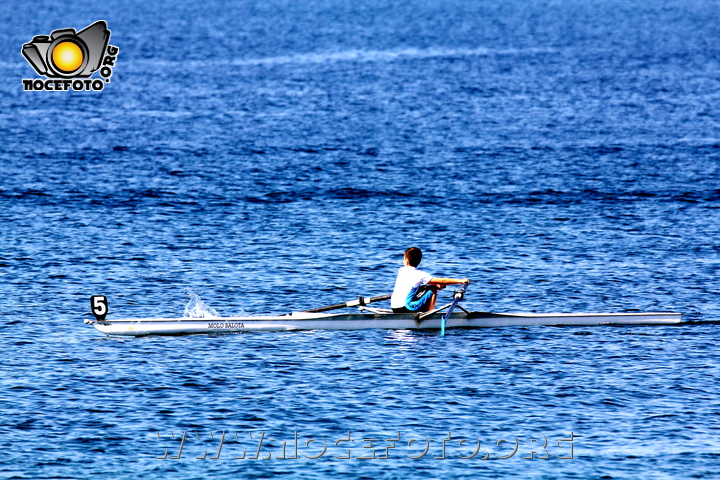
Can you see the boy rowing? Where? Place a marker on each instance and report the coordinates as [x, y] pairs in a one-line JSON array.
[[415, 290]]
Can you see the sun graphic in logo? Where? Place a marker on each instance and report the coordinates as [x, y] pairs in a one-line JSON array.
[[67, 56]]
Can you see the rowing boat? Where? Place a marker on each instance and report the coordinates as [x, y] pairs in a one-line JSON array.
[[315, 319], [370, 319]]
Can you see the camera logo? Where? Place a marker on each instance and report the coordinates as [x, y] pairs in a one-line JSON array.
[[67, 56]]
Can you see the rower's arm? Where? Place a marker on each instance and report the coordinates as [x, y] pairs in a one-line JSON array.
[[447, 281]]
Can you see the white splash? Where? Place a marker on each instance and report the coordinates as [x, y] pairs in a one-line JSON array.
[[196, 308], [240, 313]]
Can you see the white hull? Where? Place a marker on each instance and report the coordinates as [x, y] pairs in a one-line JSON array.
[[360, 321]]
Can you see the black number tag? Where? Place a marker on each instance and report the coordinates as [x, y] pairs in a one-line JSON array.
[[99, 306]]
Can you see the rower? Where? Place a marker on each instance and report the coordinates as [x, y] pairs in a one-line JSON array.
[[415, 290]]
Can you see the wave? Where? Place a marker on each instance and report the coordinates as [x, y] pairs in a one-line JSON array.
[[386, 55], [358, 56]]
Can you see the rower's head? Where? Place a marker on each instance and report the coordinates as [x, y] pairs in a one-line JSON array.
[[413, 256]]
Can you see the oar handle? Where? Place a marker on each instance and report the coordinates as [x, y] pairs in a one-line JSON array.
[[361, 301]]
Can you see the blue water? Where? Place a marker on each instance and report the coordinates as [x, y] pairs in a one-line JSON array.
[[269, 156]]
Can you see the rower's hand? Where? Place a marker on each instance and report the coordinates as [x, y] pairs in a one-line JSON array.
[[465, 280]]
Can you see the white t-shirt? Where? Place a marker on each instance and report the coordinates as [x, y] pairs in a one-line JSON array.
[[408, 278]]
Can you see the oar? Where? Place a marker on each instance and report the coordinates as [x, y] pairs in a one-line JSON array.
[[457, 296], [352, 303]]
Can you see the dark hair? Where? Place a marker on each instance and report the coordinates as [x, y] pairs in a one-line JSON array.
[[413, 255]]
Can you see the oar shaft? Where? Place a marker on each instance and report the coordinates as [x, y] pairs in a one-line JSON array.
[[352, 303]]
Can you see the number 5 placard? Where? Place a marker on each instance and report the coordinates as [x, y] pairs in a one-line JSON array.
[[99, 306]]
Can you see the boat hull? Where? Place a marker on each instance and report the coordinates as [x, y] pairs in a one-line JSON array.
[[362, 321]]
